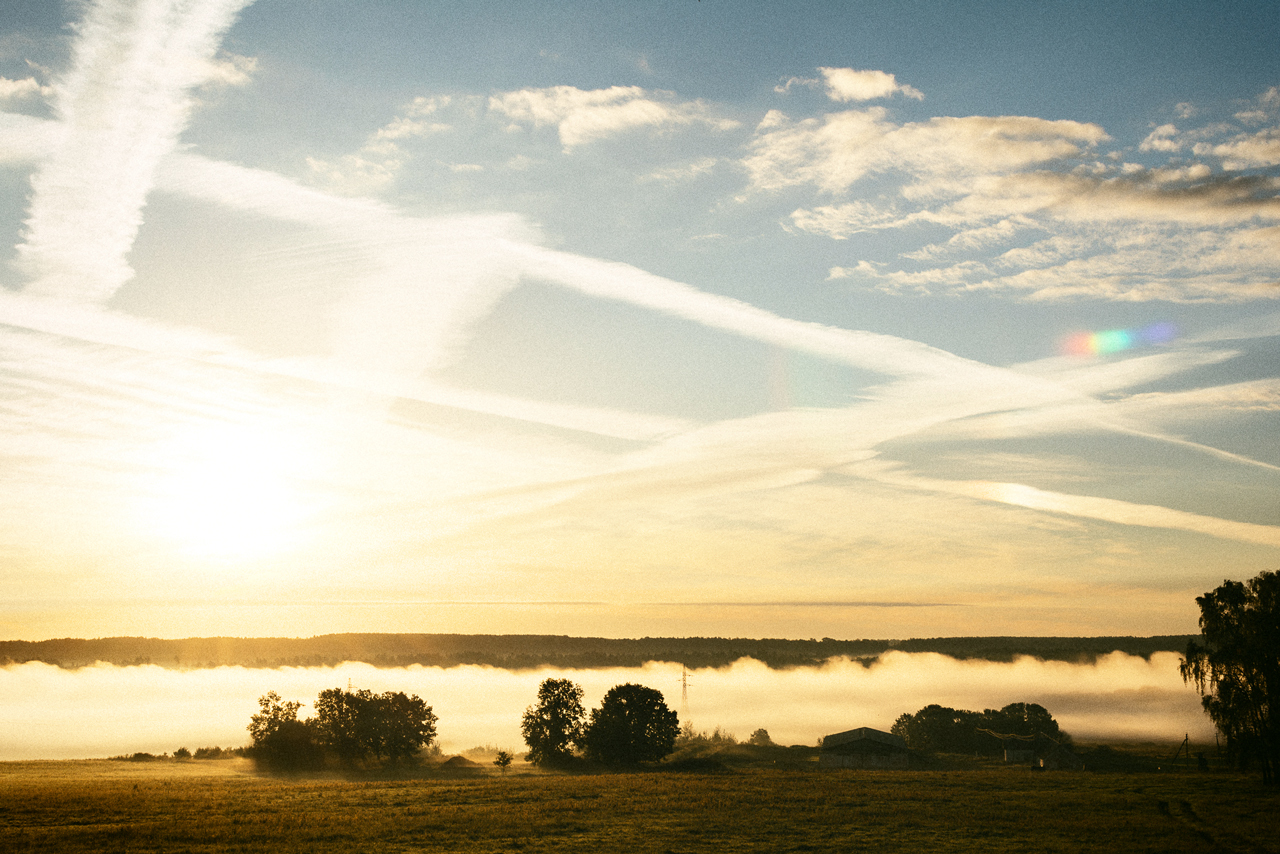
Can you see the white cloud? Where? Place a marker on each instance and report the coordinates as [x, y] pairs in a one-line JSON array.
[[1162, 139], [17, 91], [847, 84], [24, 139], [807, 82], [121, 107], [230, 69], [835, 152], [585, 116], [683, 172], [376, 165], [1191, 232], [1247, 151]]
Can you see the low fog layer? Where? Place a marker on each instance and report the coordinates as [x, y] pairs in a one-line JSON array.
[[107, 710]]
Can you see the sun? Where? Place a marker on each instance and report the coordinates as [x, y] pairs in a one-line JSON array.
[[227, 492]]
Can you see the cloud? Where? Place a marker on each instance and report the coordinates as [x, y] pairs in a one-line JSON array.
[[1202, 403], [585, 116], [846, 84], [1162, 139], [1247, 151], [1266, 107], [120, 107], [378, 162], [16, 91], [24, 139], [1190, 235], [683, 172], [841, 149], [230, 69], [808, 82], [1192, 231]]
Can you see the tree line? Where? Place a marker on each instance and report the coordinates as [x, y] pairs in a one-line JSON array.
[[523, 652], [349, 727]]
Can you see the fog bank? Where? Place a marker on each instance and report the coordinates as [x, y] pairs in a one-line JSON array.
[[104, 710]]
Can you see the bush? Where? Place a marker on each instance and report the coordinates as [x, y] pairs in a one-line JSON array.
[[214, 753], [182, 753]]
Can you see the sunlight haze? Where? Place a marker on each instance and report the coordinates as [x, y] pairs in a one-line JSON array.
[[675, 318]]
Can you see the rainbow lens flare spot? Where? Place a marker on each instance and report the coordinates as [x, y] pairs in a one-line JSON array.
[[1117, 340]]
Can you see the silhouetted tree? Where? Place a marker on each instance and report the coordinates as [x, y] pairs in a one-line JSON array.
[[632, 725], [554, 725], [1236, 668], [280, 740], [355, 725], [502, 760], [938, 729], [760, 738]]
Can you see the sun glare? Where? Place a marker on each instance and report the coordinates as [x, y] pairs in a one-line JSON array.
[[226, 493]]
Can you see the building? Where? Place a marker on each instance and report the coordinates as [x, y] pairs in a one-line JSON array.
[[863, 748]]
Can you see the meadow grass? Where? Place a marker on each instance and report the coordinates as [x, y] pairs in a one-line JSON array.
[[108, 806]]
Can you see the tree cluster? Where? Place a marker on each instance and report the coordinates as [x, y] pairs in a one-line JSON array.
[[938, 729], [515, 652], [1236, 667], [350, 726], [632, 725]]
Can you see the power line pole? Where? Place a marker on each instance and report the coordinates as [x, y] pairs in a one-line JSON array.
[[684, 692]]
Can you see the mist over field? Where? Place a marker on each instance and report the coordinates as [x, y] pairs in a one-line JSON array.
[[105, 710]]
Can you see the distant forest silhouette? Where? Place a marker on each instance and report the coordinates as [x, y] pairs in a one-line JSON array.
[[524, 652]]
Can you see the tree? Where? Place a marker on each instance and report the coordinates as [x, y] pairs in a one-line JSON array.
[[355, 725], [760, 738], [502, 760], [280, 740], [1025, 719], [408, 724], [943, 730], [1236, 668], [554, 725], [632, 725]]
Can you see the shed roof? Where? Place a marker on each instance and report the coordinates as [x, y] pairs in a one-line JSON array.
[[863, 733]]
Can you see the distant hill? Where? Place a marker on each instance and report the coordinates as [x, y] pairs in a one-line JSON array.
[[522, 652]]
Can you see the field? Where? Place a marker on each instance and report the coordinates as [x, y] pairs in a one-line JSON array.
[[225, 806]]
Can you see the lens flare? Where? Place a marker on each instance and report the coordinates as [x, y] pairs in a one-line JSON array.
[[1117, 340]]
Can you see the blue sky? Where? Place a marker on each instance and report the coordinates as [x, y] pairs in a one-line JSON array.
[[790, 319]]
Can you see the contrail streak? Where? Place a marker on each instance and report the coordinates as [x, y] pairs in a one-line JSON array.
[[120, 108]]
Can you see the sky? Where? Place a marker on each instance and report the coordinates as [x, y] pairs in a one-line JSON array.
[[889, 319]]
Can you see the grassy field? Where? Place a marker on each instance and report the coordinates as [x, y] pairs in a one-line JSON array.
[[225, 806]]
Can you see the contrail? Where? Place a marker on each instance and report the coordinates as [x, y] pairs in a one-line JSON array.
[[120, 110]]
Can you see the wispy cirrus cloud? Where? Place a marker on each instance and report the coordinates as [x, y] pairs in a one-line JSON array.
[[375, 166], [120, 108]]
